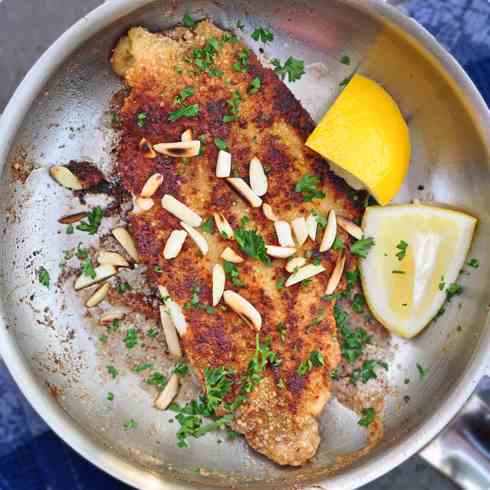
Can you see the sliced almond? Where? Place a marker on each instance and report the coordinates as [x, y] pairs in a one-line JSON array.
[[295, 263], [258, 178], [245, 309], [269, 212], [179, 149], [164, 399], [243, 188], [223, 226], [197, 237], [141, 204], [101, 272], [223, 164], [186, 135], [351, 228], [300, 230], [146, 148], [304, 273], [98, 296], [126, 241], [181, 211], [330, 232], [113, 314], [151, 185], [174, 244], [284, 235], [72, 218], [65, 177], [218, 283], [337, 272], [231, 256], [111, 258], [280, 252], [170, 333], [311, 225], [175, 311]]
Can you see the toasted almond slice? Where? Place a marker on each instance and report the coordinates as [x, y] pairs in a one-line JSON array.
[[101, 272], [330, 232], [241, 306], [269, 212], [243, 188], [73, 218], [231, 256], [98, 296], [186, 135], [280, 252], [223, 225], [65, 177], [198, 239], [111, 258], [295, 263], [350, 227], [300, 230], [258, 178], [304, 273], [223, 164], [113, 314], [334, 280], [311, 225], [141, 204], [164, 399], [174, 244], [181, 211], [126, 241], [170, 332], [284, 235], [175, 311], [146, 148], [152, 185], [218, 283], [179, 149]]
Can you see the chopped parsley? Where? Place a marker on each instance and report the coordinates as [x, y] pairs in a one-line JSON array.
[[358, 303], [184, 94], [402, 247], [344, 82], [338, 244], [94, 218], [157, 379], [185, 111], [293, 68], [334, 374], [232, 274], [81, 253], [152, 333], [141, 119], [367, 371], [208, 225], [113, 326], [282, 331], [103, 338], [314, 360], [214, 72], [367, 417], [454, 289], [131, 339], [320, 219], [130, 424], [251, 243], [307, 186], [142, 367], [112, 371], [262, 35], [396, 271], [88, 269], [475, 263], [43, 276], [422, 371], [181, 369], [194, 302], [280, 283], [254, 86], [110, 396], [123, 287], [345, 60], [361, 247], [241, 63], [70, 229], [220, 144], [240, 25], [188, 21], [233, 107], [442, 284]]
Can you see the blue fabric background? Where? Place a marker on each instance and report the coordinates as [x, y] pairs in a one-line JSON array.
[[32, 457]]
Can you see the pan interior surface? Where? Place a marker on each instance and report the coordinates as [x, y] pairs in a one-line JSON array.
[[70, 120]]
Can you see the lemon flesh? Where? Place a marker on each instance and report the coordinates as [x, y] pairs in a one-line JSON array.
[[405, 295], [366, 138]]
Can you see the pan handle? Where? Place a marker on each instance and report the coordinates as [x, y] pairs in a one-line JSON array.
[[462, 450]]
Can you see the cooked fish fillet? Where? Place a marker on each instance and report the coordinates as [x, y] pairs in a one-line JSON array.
[[278, 419]]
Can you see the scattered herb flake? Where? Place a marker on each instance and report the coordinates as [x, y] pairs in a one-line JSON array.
[[70, 229], [157, 379], [112, 371], [307, 186], [232, 274], [367, 418], [208, 225], [280, 283], [113, 326], [103, 338], [254, 86], [130, 424], [442, 284], [344, 82], [181, 369], [152, 333], [422, 371], [123, 287], [282, 331], [220, 144], [314, 360], [142, 367], [402, 247], [88, 269], [184, 94], [251, 243], [241, 63], [43, 276], [454, 289], [94, 218], [110, 396], [240, 25], [131, 339], [185, 111], [361, 247], [338, 244], [475, 263], [262, 35], [345, 60], [358, 303], [396, 271], [141, 119], [293, 68], [188, 21]]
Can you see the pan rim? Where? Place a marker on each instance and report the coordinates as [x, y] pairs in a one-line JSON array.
[[61, 423]]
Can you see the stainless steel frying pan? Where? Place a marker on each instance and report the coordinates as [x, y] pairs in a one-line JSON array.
[[60, 112]]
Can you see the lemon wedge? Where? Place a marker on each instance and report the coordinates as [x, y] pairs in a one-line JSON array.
[[366, 139], [418, 252]]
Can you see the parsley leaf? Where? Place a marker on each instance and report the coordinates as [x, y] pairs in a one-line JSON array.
[[366, 371], [280, 283], [345, 60], [70, 229], [231, 271], [188, 21], [338, 244], [233, 107], [358, 303], [251, 243], [43, 276], [131, 339], [320, 219], [142, 367], [141, 119], [186, 111], [282, 331], [307, 185], [454, 289], [402, 247], [367, 418], [263, 35], [94, 218], [110, 396], [81, 253], [181, 369], [157, 379], [152, 333], [114, 326], [241, 63], [112, 371], [123, 287], [254, 86], [220, 144], [88, 269], [240, 25], [475, 263], [361, 247], [314, 360], [184, 94], [442, 284], [422, 371], [130, 424], [208, 225], [293, 68]]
